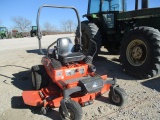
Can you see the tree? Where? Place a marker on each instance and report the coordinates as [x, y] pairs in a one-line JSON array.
[[70, 25], [48, 27], [22, 24], [67, 25], [64, 26]]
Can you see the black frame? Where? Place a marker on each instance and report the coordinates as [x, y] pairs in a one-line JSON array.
[[39, 35]]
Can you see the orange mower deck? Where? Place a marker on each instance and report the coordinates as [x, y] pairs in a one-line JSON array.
[[52, 96]]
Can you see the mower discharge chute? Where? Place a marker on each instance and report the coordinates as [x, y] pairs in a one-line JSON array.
[[67, 78]]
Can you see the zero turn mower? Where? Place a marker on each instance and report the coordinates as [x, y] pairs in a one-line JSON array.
[[67, 78]]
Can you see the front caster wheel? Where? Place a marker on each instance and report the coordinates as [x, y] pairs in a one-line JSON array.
[[74, 110], [118, 97], [44, 110]]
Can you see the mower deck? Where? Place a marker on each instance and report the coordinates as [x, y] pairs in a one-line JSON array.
[[52, 95]]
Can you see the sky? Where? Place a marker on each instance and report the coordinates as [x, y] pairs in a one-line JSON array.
[[28, 9]]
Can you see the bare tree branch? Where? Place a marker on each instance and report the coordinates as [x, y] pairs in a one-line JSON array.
[[64, 26], [22, 24], [49, 27], [70, 24], [67, 26]]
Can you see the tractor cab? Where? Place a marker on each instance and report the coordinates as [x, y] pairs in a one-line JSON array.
[[96, 6], [3, 29], [106, 10], [33, 32], [3, 32], [34, 27]]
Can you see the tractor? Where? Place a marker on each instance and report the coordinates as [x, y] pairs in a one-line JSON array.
[[3, 32], [33, 32], [132, 34]]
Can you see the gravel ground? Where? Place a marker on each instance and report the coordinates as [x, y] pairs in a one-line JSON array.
[[18, 55]]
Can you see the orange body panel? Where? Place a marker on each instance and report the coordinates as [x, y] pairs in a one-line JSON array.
[[61, 76]]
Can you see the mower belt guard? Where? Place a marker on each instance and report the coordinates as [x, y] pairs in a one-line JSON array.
[[32, 98], [92, 84]]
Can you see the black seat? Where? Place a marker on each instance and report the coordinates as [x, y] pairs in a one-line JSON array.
[[65, 51]]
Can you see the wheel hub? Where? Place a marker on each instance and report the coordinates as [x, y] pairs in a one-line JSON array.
[[136, 52], [71, 115], [116, 98]]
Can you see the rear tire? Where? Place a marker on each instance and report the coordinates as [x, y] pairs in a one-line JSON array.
[[74, 109], [40, 78], [2, 36], [32, 35], [89, 31], [140, 52]]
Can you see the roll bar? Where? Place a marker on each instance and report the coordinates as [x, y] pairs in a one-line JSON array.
[[39, 35]]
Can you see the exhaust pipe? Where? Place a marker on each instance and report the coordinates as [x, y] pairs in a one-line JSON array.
[[136, 5], [144, 4]]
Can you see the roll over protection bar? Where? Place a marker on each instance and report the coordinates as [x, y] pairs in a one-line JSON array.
[[39, 34]]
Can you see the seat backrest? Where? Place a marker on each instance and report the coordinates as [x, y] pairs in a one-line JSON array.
[[64, 46]]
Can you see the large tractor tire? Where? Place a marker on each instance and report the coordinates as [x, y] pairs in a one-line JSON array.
[[33, 35], [89, 31], [2, 36], [140, 52]]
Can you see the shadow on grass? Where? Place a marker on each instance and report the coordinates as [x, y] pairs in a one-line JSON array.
[[111, 68], [17, 103], [105, 52], [152, 84], [36, 51], [21, 80], [103, 99]]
